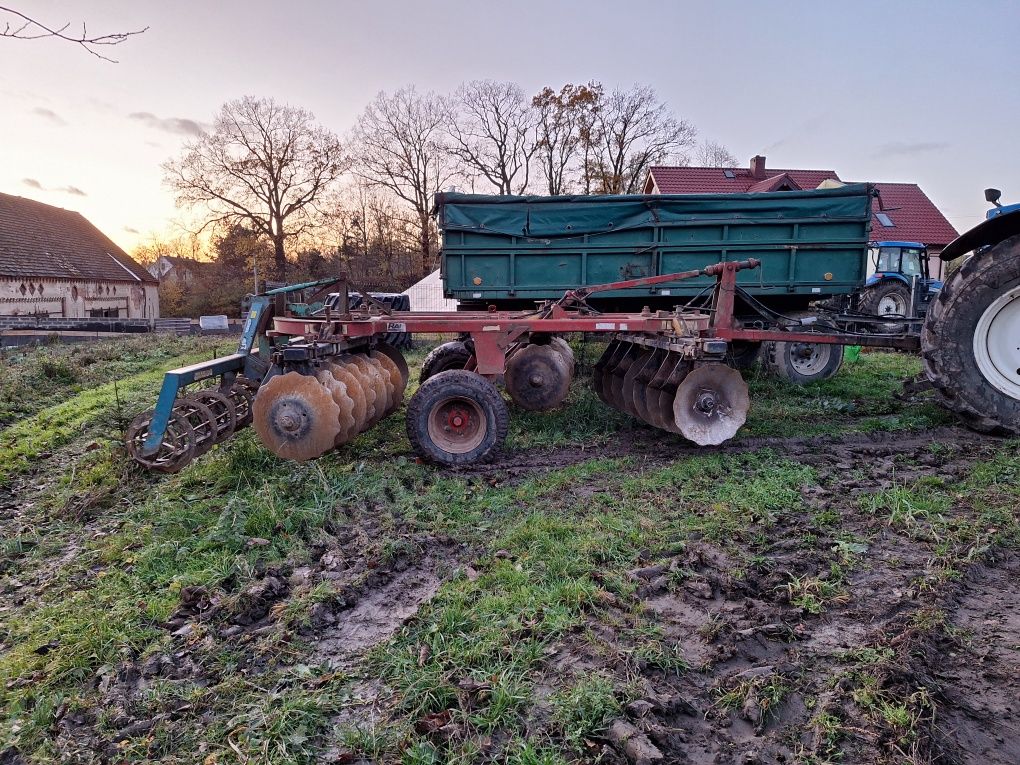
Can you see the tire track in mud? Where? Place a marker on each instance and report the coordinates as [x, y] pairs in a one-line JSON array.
[[767, 676], [654, 448]]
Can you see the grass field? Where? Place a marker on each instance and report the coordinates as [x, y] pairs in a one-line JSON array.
[[837, 585]]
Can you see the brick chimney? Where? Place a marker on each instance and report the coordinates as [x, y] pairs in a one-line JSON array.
[[758, 167]]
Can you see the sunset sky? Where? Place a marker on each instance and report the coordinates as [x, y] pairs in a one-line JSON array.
[[924, 92]]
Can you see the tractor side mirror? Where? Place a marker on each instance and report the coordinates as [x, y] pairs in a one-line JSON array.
[[992, 195]]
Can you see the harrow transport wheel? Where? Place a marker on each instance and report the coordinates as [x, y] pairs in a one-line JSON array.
[[743, 355], [711, 404], [176, 450], [202, 422], [222, 407], [537, 378], [296, 417], [970, 342], [457, 417], [802, 363], [452, 355]]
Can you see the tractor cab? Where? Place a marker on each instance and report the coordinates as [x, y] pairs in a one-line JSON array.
[[900, 284]]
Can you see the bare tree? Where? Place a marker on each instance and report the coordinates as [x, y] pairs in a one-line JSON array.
[[564, 122], [398, 145], [263, 165], [712, 154], [492, 133], [632, 131], [27, 28]]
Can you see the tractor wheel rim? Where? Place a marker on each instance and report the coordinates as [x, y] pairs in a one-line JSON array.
[[892, 305], [809, 358], [997, 344], [457, 425]]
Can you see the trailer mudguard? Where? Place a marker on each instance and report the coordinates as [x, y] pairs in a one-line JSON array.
[[991, 231]]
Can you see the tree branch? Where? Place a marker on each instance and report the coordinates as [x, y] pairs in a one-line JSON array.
[[30, 29]]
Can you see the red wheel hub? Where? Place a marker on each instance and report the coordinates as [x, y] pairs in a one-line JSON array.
[[457, 419]]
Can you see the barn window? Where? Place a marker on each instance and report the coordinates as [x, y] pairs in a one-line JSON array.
[[23, 289], [74, 292], [31, 288], [40, 288]]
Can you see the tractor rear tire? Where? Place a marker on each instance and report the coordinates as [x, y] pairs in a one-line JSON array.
[[457, 417], [452, 355], [887, 298], [970, 341]]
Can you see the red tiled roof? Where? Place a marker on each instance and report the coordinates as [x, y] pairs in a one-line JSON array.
[[39, 240], [713, 180], [915, 217]]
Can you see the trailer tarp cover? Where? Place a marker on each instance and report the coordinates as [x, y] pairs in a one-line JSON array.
[[572, 216]]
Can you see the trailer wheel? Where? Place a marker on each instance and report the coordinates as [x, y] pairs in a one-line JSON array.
[[802, 363], [457, 418], [452, 355], [890, 298], [970, 341], [743, 355]]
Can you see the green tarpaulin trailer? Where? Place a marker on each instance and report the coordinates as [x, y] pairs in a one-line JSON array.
[[512, 251]]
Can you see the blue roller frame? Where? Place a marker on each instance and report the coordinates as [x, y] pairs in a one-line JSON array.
[[176, 379]]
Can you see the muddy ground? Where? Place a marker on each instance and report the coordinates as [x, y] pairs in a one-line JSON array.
[[875, 619]]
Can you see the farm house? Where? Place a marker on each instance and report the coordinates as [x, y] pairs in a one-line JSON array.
[[54, 263]]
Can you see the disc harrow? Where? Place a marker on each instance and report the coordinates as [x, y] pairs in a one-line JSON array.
[[311, 383]]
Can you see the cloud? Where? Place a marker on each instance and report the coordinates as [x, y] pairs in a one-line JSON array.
[[129, 230], [901, 148], [179, 125], [32, 183], [49, 114]]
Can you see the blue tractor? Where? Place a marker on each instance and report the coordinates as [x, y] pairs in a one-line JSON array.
[[902, 285]]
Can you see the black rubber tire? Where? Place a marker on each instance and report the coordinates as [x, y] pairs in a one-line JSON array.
[[778, 360], [452, 355], [457, 384], [871, 297], [743, 355], [947, 339]]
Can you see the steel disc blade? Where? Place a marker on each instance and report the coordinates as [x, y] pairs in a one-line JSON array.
[[202, 421], [565, 350], [224, 409], [537, 378], [649, 367], [373, 377], [711, 404], [348, 427], [367, 388], [630, 381], [296, 417], [397, 358], [396, 379], [619, 375], [352, 382], [598, 373], [662, 391]]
